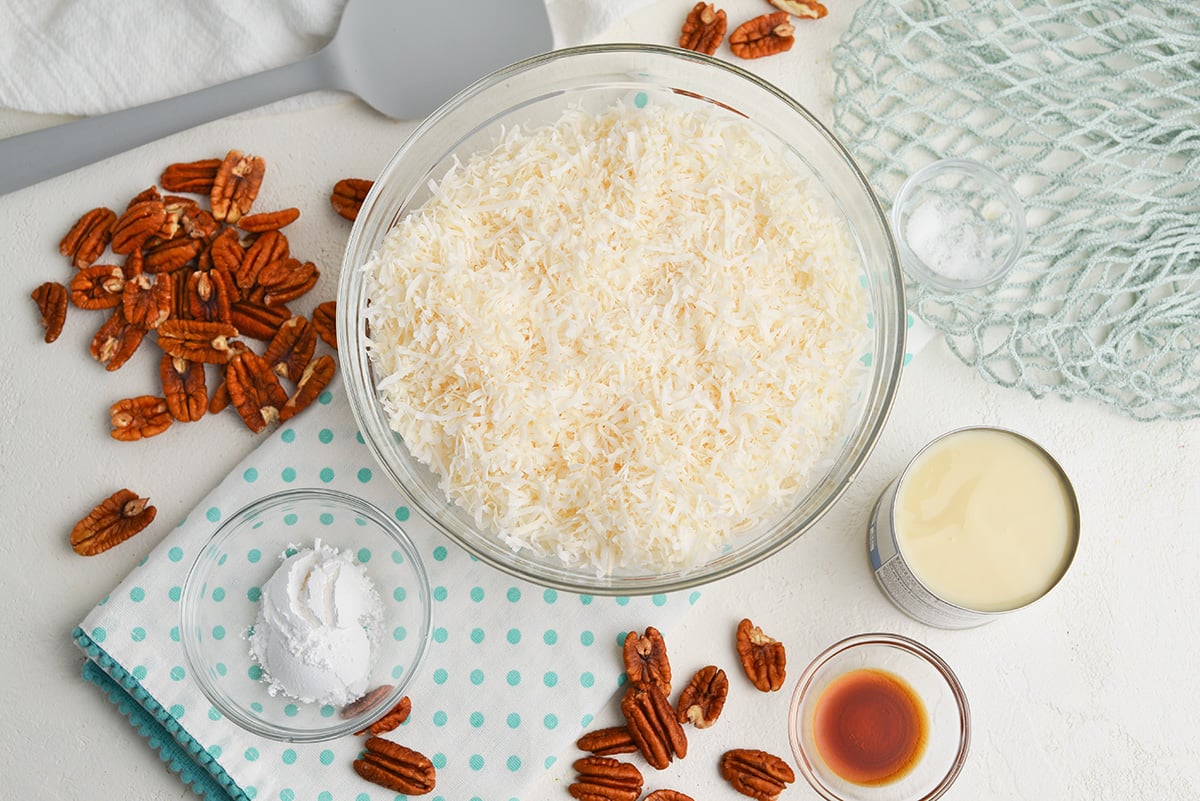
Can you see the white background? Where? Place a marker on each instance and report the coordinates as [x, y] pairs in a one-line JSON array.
[[1088, 694]]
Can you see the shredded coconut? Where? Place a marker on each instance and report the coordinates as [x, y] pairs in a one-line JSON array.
[[621, 339]]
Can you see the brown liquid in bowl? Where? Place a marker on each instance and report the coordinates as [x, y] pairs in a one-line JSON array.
[[870, 727]]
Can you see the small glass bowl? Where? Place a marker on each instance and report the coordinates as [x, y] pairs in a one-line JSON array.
[[932, 681], [959, 225], [221, 602]]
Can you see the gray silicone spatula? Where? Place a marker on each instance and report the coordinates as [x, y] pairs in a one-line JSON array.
[[403, 57]]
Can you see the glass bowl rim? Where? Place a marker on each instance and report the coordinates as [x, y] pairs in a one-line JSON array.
[[360, 392], [902, 643], [223, 533]]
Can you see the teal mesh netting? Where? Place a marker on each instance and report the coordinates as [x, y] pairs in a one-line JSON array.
[[1092, 110]]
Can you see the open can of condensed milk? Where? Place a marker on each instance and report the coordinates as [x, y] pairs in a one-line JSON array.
[[982, 521]]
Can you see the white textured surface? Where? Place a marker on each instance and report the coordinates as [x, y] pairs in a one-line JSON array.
[[1088, 694]]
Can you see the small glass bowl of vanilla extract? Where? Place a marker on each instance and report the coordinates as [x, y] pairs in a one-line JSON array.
[[879, 717]]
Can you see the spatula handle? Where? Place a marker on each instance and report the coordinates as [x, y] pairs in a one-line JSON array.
[[32, 157]]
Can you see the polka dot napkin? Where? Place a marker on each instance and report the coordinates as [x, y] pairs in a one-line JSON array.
[[513, 675]]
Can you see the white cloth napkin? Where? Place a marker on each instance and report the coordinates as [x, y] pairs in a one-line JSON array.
[[86, 58]]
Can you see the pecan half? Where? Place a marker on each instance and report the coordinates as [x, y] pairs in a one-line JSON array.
[[208, 296], [116, 341], [324, 319], [197, 340], [652, 724], [601, 778], [140, 221], [220, 398], [646, 658], [114, 520], [348, 196], [149, 193], [268, 220], [313, 380], [607, 742], [290, 351], [704, 29], [138, 418], [184, 388], [51, 300], [287, 279], [395, 716], [805, 9], [227, 252], [762, 36], [170, 255], [359, 705], [195, 177], [756, 773], [396, 767], [257, 320], [702, 700], [98, 287], [667, 795], [763, 658], [235, 186], [268, 247], [254, 390], [88, 237], [147, 302]]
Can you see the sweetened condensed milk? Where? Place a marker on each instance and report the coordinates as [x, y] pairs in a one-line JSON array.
[[982, 521]]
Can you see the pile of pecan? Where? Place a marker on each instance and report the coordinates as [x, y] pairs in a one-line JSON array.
[[384, 762], [654, 728], [764, 35]]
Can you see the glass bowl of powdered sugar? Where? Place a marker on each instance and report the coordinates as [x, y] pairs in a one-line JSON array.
[[306, 615], [959, 225]]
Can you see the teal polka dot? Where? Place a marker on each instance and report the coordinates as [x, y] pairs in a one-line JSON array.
[[257, 707], [659, 600], [550, 760], [175, 554], [213, 514], [288, 435], [177, 673], [325, 795], [215, 751], [364, 555], [477, 677], [439, 593], [325, 435], [326, 757], [397, 671], [514, 636], [695, 596], [586, 638], [514, 763], [253, 555], [438, 760], [513, 720], [477, 594], [358, 436], [399, 633], [290, 520], [439, 553], [513, 678], [362, 797], [440, 676], [550, 679], [218, 632], [224, 558], [326, 519], [137, 595], [289, 757], [399, 594], [291, 710], [326, 474], [477, 635], [214, 714], [254, 672], [218, 594], [476, 762], [103, 601], [587, 720], [909, 320], [139, 672], [174, 633], [397, 557], [137, 634], [622, 600], [254, 593], [99, 634], [439, 718], [586, 600], [325, 398], [550, 721], [327, 711], [907, 359], [440, 635], [550, 637], [586, 679], [288, 474], [640, 100], [287, 794], [221, 669], [867, 359], [176, 711], [476, 719], [514, 594], [364, 475], [870, 320], [250, 791], [621, 638], [550, 596], [251, 754], [250, 475], [402, 513]]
